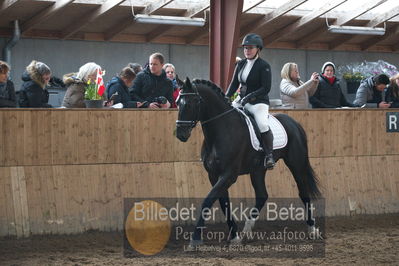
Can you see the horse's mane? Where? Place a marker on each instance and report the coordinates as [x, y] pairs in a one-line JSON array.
[[218, 91], [211, 85]]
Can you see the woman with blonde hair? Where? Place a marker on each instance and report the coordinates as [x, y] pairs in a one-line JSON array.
[[293, 91], [392, 95], [76, 85], [33, 92]]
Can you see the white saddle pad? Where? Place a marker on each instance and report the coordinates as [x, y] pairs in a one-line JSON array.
[[280, 135]]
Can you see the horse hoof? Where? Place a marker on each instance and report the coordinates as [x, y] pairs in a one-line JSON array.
[[235, 241], [249, 224], [195, 243]]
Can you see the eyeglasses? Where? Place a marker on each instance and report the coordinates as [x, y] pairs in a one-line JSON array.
[[249, 47]]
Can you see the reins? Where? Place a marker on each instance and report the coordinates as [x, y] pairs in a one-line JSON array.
[[193, 123]]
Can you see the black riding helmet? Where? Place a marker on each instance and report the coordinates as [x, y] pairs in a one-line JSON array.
[[253, 39]]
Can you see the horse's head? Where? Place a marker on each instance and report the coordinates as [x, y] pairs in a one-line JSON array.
[[188, 104]]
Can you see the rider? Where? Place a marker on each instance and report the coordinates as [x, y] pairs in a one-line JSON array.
[[253, 76]]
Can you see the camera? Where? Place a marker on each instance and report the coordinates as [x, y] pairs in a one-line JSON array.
[[160, 100]]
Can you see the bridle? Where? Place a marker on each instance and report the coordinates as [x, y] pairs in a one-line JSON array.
[[193, 123], [189, 123]]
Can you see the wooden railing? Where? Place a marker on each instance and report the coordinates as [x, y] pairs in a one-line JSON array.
[[67, 171]]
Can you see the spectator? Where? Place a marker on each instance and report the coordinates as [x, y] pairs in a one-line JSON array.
[[171, 74], [76, 85], [151, 85], [328, 93], [118, 88], [392, 95], [33, 92], [137, 68], [293, 91], [370, 91], [7, 91]]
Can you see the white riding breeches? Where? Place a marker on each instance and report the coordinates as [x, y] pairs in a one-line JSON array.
[[260, 111]]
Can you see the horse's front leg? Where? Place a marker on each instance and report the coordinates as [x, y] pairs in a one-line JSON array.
[[218, 191], [225, 205]]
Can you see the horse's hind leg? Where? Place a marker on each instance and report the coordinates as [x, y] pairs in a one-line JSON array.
[[300, 172], [259, 185]]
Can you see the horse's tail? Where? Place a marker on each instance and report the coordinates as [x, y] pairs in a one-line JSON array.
[[310, 182]]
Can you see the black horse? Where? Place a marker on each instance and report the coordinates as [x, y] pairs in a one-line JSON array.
[[228, 153]]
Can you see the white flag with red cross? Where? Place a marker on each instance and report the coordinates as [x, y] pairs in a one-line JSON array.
[[100, 82]]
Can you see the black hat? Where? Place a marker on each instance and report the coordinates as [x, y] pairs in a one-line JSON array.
[[253, 39]]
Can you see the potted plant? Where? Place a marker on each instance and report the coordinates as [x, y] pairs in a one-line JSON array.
[[353, 81], [356, 72], [94, 91], [353, 75]]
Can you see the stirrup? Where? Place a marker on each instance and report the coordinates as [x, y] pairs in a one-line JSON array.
[[269, 162]]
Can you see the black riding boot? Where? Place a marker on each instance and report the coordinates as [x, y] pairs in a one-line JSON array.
[[267, 139]]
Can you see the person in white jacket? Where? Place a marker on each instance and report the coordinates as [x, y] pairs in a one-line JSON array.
[[295, 93]]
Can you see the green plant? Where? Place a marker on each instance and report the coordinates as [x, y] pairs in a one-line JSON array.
[[91, 92], [354, 77]]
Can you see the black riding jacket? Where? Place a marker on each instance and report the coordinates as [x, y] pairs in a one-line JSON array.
[[258, 82]]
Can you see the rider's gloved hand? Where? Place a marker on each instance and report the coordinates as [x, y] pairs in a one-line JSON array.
[[228, 99], [244, 100]]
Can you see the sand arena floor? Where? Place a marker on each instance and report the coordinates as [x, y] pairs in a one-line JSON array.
[[362, 240]]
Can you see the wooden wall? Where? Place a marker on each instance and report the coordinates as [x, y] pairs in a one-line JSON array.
[[68, 171]]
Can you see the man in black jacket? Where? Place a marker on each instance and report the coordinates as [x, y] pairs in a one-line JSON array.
[[151, 85]]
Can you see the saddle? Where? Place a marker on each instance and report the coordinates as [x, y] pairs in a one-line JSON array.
[[280, 135]]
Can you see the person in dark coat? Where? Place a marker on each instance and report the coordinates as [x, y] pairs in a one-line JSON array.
[[7, 90], [151, 85], [253, 76], [118, 88], [392, 95], [33, 93], [371, 92], [328, 93]]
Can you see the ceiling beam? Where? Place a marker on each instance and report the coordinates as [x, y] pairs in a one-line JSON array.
[[163, 29], [248, 5], [196, 10], [374, 40], [308, 38], [363, 8], [305, 20], [7, 4], [45, 14], [151, 8], [158, 32], [198, 33], [118, 27], [89, 17], [270, 17], [381, 18]]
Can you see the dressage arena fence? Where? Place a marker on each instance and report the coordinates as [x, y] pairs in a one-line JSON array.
[[68, 171]]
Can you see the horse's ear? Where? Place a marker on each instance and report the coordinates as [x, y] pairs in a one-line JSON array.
[[187, 85]]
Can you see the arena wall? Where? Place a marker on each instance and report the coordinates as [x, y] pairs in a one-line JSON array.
[[68, 171]]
